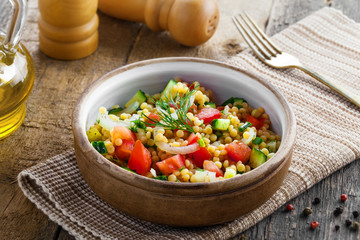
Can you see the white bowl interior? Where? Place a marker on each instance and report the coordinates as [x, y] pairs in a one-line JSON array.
[[152, 78]]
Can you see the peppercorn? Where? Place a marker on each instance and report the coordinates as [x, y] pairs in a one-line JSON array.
[[289, 207], [314, 224], [356, 225], [307, 211], [347, 222], [355, 214], [337, 227], [343, 197], [338, 211], [316, 200]]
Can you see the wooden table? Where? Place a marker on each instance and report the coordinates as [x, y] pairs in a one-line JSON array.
[[46, 130]]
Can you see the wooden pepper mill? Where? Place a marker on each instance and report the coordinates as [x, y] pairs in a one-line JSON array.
[[68, 28], [190, 22]]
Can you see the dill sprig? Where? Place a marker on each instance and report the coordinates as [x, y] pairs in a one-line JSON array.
[[181, 104]]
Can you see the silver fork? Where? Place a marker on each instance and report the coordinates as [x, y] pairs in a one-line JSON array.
[[273, 56]]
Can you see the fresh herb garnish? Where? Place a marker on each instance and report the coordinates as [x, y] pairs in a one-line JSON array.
[[137, 124], [161, 177], [181, 104]]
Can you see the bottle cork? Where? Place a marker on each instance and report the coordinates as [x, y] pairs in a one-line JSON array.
[[68, 28], [190, 22]]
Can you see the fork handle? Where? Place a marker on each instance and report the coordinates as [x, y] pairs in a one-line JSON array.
[[336, 87]]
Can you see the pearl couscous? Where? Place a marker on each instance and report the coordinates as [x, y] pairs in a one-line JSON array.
[[180, 135]]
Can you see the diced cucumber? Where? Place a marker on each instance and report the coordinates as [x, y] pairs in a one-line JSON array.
[[99, 146], [138, 97], [167, 90], [257, 158], [114, 111], [131, 108], [210, 104], [238, 102], [230, 100], [272, 146], [234, 100], [221, 124]]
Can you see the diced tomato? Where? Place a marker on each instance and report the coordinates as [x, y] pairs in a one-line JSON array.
[[212, 167], [209, 114], [238, 151], [220, 108], [193, 109], [123, 133], [255, 122], [192, 138], [200, 156], [171, 164], [153, 116], [124, 150], [140, 159]]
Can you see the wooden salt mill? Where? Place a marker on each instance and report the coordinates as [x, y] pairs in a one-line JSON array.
[[68, 28], [190, 22]]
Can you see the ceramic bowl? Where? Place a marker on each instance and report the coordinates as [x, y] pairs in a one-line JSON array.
[[173, 203]]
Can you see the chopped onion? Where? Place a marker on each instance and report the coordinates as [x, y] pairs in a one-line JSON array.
[[107, 123], [178, 150]]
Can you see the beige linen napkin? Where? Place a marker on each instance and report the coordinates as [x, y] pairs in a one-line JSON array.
[[328, 138]]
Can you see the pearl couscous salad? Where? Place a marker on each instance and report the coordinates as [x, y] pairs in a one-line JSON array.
[[180, 135]]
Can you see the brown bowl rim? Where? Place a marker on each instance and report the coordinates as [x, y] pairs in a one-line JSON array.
[[188, 189]]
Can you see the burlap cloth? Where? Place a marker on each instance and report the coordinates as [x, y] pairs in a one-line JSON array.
[[328, 138]]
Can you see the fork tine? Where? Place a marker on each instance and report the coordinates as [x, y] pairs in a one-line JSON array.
[[263, 35], [256, 32], [258, 49]]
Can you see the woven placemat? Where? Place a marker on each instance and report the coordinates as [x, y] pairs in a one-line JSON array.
[[328, 138]]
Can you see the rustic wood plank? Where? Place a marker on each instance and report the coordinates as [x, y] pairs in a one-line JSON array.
[[293, 225], [46, 130], [226, 40]]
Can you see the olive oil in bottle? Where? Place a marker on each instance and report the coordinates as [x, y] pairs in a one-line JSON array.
[[16, 81]]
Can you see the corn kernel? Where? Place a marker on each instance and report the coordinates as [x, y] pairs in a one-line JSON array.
[[208, 130], [213, 137], [180, 133], [240, 167], [197, 122], [265, 151], [196, 128], [216, 159], [218, 164], [187, 163], [159, 137], [161, 130], [102, 110], [185, 171], [233, 133], [211, 149], [246, 135], [124, 116], [221, 147], [110, 148], [193, 178], [118, 142], [247, 168], [226, 163], [186, 177], [172, 178], [143, 105], [217, 153], [228, 140], [175, 144]]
